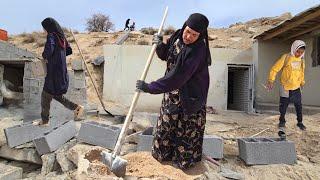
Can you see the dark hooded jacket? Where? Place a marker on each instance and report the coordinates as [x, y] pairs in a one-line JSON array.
[[55, 51], [190, 73]]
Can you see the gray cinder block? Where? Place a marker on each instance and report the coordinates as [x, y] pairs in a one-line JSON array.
[[35, 69], [10, 172], [51, 141], [77, 64], [266, 151], [99, 134], [79, 80], [145, 140], [213, 146], [23, 133]]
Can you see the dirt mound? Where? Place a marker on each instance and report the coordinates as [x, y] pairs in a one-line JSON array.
[[142, 164]]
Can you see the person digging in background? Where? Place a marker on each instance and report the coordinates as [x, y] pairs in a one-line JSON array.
[[57, 80], [291, 81], [180, 127]]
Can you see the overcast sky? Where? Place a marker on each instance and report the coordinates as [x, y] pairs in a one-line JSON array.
[[18, 16]]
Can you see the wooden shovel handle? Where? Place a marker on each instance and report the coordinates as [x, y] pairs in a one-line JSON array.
[[137, 93]]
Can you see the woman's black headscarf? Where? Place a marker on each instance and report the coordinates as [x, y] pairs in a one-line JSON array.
[[199, 23], [52, 26]]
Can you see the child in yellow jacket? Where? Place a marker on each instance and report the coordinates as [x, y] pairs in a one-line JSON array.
[[291, 81]]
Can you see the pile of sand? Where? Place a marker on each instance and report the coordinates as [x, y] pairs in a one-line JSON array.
[[142, 164]]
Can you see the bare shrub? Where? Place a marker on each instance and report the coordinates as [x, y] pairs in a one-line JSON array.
[[149, 30], [143, 42], [169, 30], [98, 23]]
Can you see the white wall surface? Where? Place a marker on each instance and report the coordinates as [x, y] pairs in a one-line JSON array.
[[124, 65]]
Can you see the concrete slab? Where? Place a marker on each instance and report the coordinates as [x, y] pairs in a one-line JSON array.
[[51, 141], [99, 134], [10, 172], [29, 155], [266, 150]]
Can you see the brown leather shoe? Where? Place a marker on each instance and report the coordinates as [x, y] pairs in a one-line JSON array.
[[40, 123], [78, 113]]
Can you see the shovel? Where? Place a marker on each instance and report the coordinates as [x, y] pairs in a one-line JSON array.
[[116, 164], [90, 75], [225, 172]]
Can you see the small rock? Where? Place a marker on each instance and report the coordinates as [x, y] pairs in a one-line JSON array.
[[25, 154], [98, 61], [77, 154], [302, 158], [315, 159], [48, 163], [61, 155]]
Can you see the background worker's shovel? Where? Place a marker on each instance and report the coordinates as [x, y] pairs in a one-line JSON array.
[[90, 75], [116, 164]]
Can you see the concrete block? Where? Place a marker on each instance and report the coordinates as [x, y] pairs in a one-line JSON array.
[[77, 64], [24, 133], [48, 163], [145, 140], [29, 155], [99, 134], [35, 69], [212, 145], [51, 141], [79, 80], [10, 172], [266, 151]]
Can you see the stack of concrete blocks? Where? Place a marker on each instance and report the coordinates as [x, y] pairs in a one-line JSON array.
[[255, 151], [212, 145], [54, 139], [10, 172], [1, 82], [33, 84], [99, 134]]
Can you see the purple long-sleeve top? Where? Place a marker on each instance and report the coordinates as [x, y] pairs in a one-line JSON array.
[[190, 75], [57, 79]]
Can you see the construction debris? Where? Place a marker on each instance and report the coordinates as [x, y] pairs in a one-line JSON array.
[[64, 157]]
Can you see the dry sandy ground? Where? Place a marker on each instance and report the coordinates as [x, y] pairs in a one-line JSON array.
[[228, 124]]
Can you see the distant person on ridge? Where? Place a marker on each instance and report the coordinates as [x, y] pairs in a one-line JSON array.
[[127, 25]]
